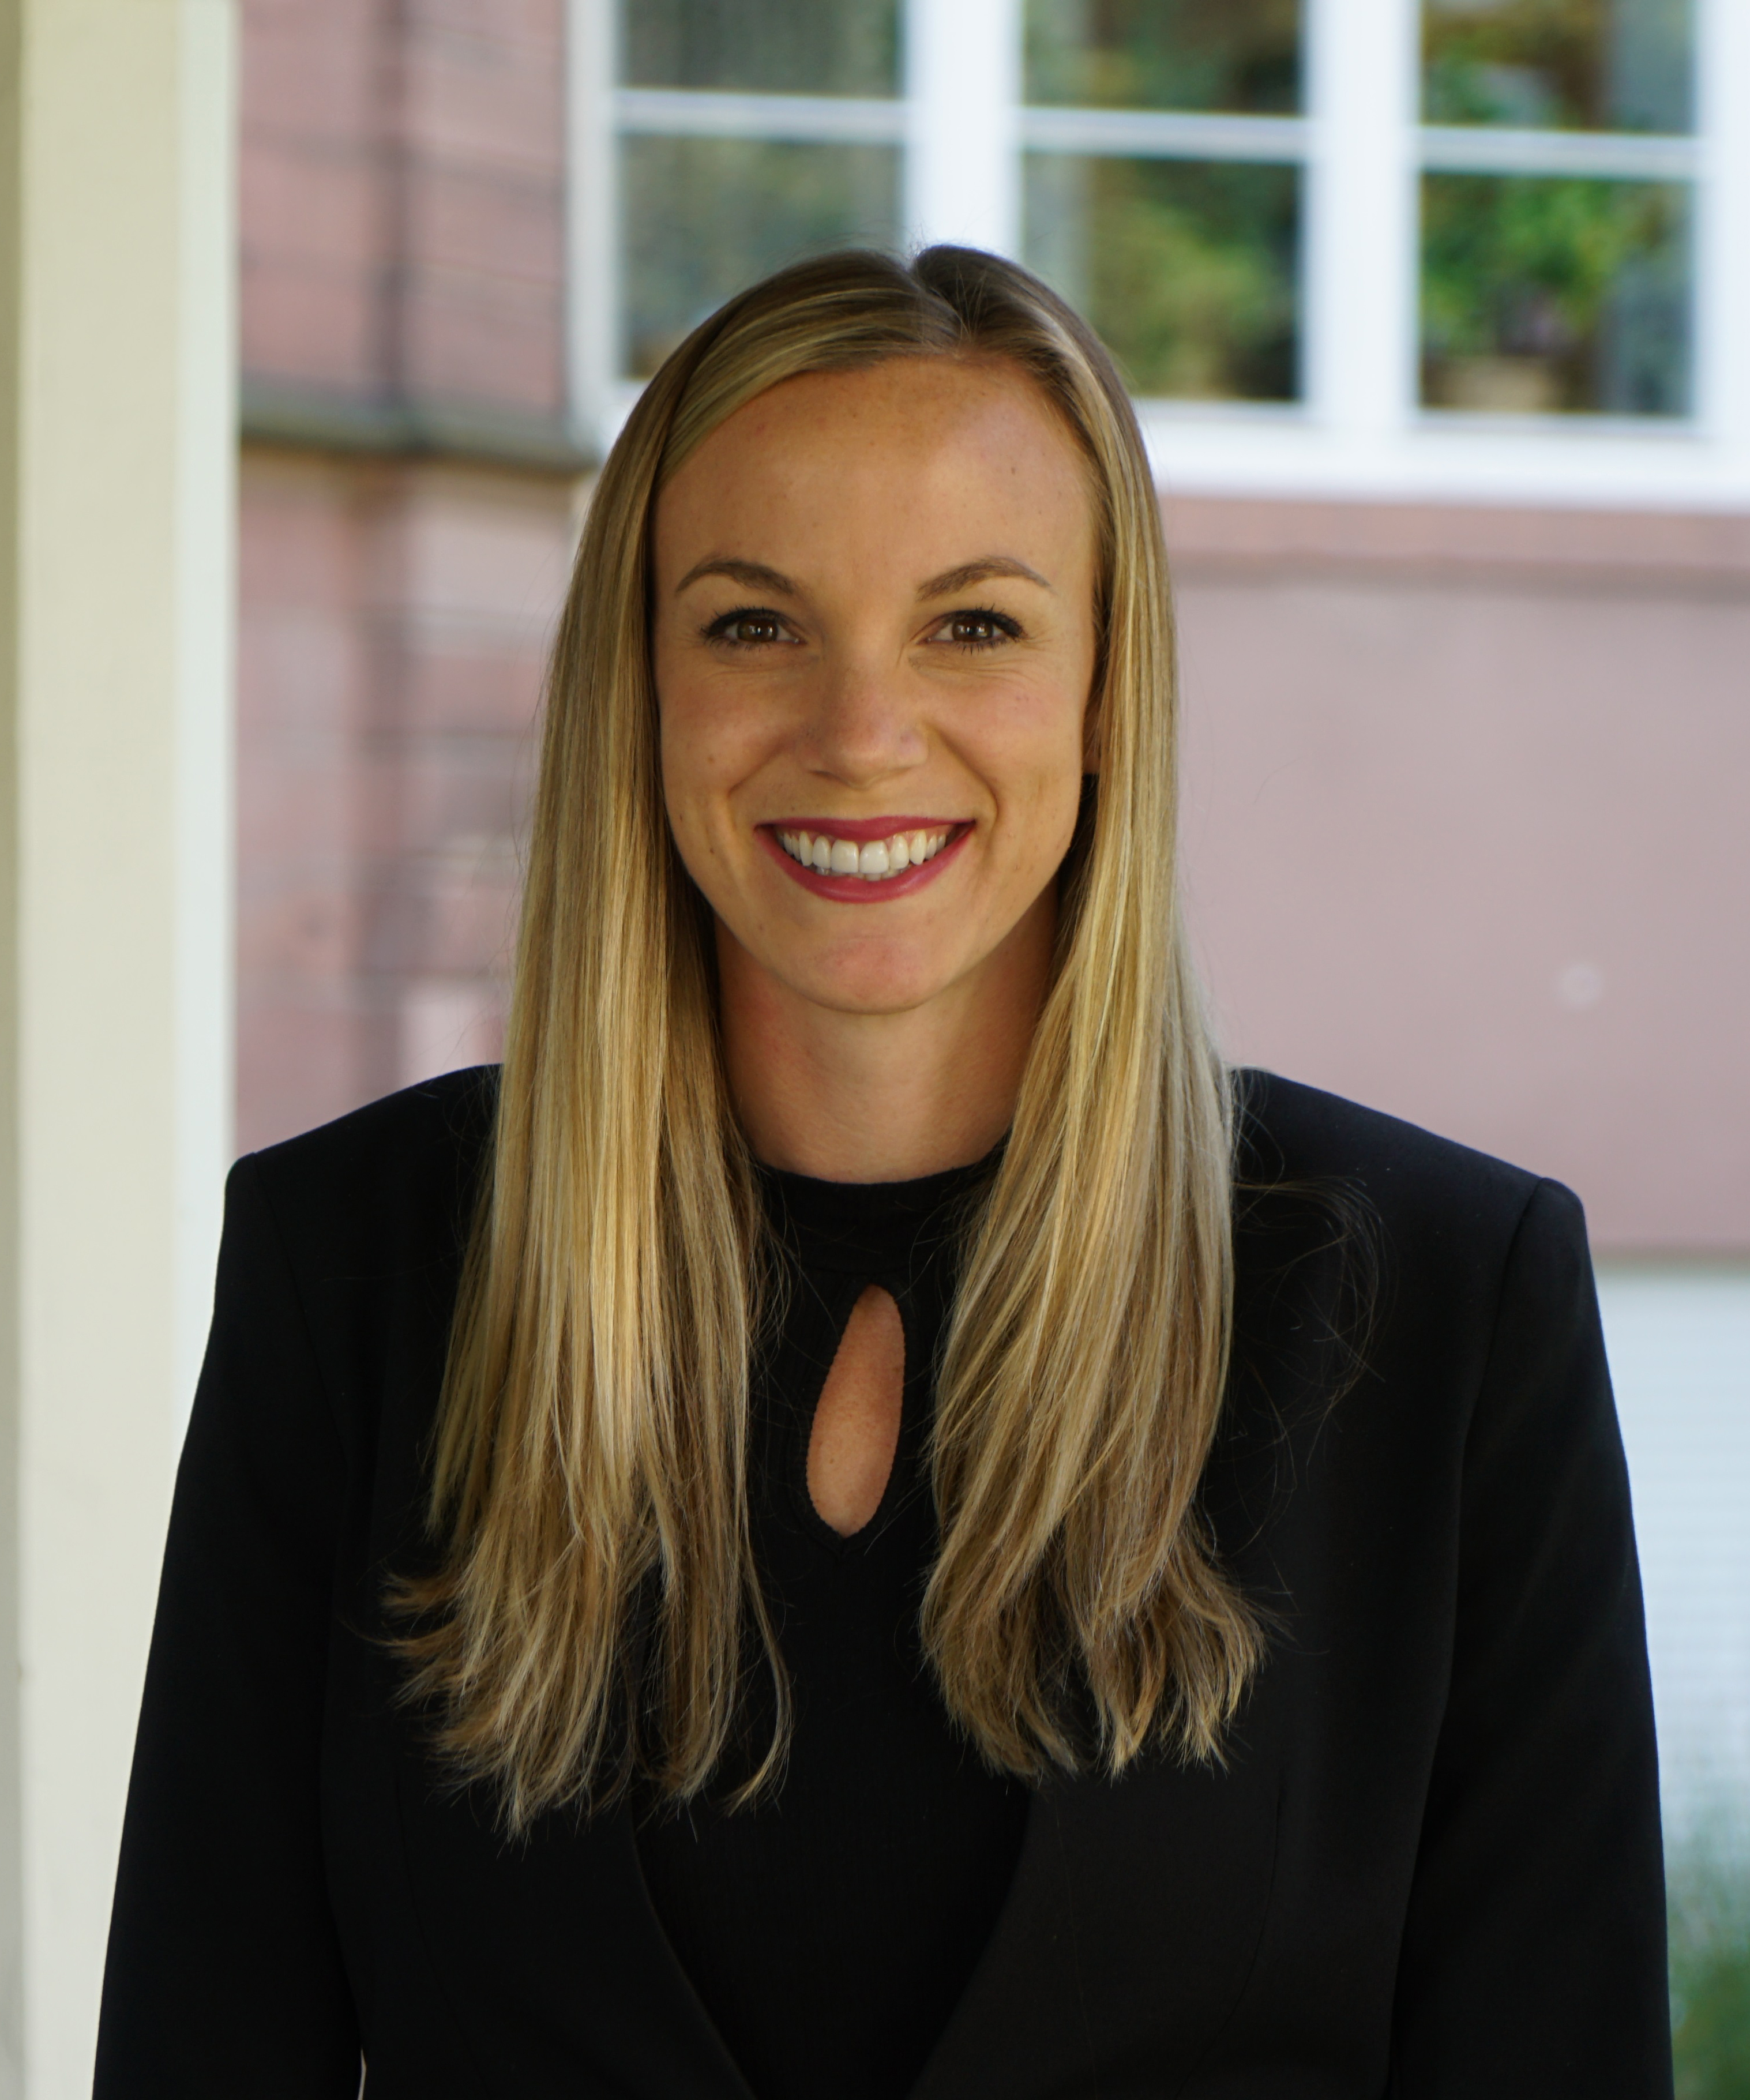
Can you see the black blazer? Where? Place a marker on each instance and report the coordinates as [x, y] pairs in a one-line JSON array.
[[1430, 1866]]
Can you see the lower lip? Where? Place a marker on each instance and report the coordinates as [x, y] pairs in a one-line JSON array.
[[851, 888]]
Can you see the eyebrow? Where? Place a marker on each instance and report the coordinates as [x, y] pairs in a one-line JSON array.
[[756, 576], [987, 566], [753, 575]]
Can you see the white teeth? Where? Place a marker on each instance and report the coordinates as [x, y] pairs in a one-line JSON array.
[[877, 862]]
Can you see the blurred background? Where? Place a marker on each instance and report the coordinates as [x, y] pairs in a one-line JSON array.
[[1437, 314]]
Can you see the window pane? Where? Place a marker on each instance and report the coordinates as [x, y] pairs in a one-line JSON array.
[[1596, 65], [702, 218], [1233, 54], [762, 46], [1186, 269], [1548, 294]]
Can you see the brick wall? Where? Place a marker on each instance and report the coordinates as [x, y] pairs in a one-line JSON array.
[[402, 196], [406, 512]]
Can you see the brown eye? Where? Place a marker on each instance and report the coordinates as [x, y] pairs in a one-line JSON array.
[[977, 629], [748, 628]]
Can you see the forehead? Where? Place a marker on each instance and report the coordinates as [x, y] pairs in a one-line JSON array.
[[947, 445]]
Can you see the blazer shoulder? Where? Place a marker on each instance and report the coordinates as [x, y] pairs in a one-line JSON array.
[[1293, 1133], [1296, 1137], [1428, 1268], [399, 1174]]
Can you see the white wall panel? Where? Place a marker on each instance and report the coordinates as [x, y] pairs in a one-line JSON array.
[[1679, 1344]]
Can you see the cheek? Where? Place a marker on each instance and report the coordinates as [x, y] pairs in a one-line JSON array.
[[1035, 752], [1038, 777], [711, 742], [685, 744], [692, 735]]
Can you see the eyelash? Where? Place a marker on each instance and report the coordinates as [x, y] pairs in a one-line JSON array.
[[1008, 629], [718, 630]]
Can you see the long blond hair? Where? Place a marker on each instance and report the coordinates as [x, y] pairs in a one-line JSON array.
[[595, 1594]]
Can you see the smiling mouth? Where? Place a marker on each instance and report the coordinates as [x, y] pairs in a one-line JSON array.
[[873, 860]]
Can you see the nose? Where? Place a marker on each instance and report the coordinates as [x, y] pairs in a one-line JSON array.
[[862, 725]]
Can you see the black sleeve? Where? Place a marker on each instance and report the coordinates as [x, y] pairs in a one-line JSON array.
[[1533, 1964], [224, 1974]]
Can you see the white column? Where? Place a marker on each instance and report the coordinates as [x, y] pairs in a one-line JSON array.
[[964, 84], [1360, 270], [116, 477]]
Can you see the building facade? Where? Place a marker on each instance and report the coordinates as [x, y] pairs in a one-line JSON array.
[[408, 493], [1438, 321]]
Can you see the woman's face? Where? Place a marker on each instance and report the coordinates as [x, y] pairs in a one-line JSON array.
[[874, 643]]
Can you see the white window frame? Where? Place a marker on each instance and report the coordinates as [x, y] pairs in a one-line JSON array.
[[1358, 428]]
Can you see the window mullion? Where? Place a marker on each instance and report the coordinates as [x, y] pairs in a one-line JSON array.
[[964, 85], [1359, 275], [592, 303], [1722, 225]]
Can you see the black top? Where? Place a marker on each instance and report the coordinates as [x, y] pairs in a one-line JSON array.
[[831, 1932], [1429, 1867]]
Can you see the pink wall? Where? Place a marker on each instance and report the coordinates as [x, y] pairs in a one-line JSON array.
[[1467, 836]]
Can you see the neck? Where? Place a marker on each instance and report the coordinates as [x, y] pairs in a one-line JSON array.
[[883, 1097]]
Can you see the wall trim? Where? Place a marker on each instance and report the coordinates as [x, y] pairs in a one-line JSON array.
[[1674, 548], [308, 419]]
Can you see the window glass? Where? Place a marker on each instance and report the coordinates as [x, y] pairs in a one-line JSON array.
[[1543, 293], [762, 46], [702, 218], [1186, 268], [1227, 54], [1597, 65]]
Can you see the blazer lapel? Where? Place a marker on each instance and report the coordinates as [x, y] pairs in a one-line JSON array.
[[555, 1965], [1132, 1924]]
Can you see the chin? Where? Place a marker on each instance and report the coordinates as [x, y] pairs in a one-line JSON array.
[[886, 988]]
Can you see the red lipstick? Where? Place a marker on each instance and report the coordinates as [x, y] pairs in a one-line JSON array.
[[864, 831]]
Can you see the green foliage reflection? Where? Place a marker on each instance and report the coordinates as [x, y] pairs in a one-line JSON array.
[[762, 46], [1231, 54], [1186, 269], [1710, 1971], [702, 218], [1573, 291], [1596, 65]]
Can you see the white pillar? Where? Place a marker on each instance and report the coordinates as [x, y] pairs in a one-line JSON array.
[[117, 476]]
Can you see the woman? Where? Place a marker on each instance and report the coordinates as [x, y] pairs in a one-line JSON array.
[[866, 1521]]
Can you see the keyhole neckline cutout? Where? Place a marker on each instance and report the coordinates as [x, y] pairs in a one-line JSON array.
[[854, 1437]]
